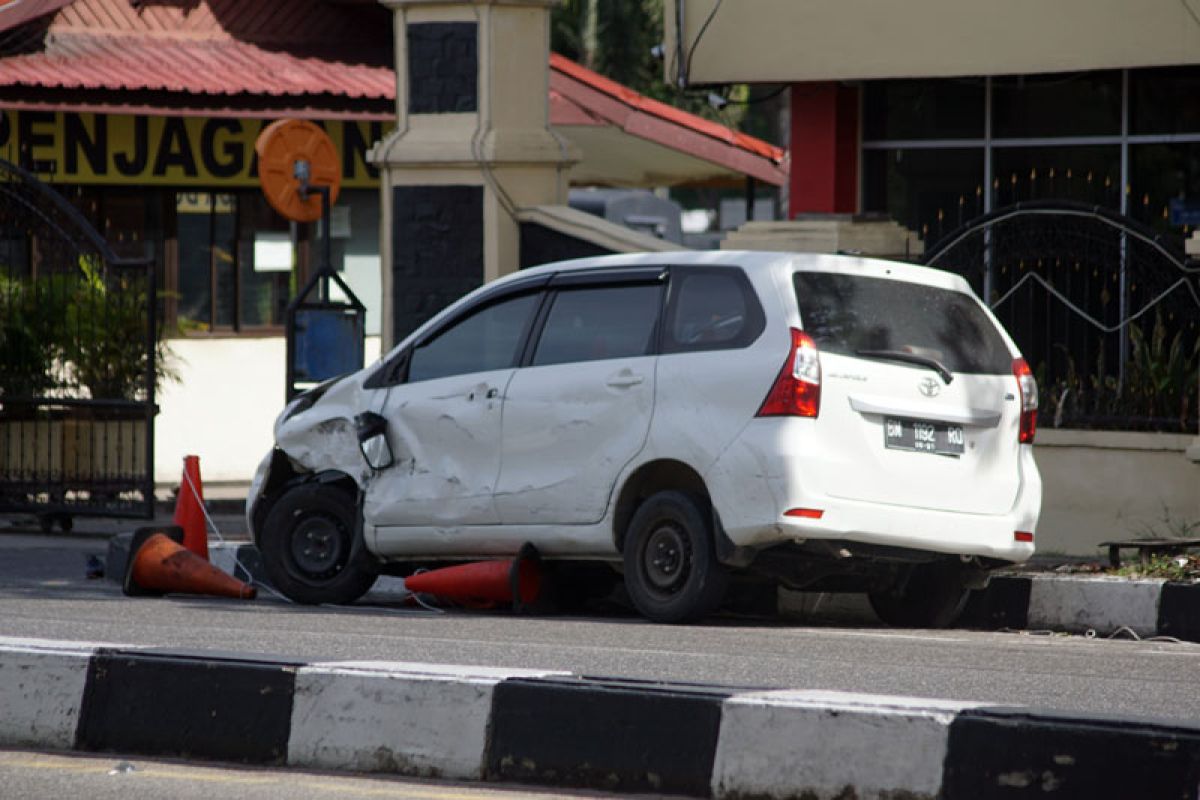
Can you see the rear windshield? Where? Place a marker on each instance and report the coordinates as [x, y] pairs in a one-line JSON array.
[[848, 313]]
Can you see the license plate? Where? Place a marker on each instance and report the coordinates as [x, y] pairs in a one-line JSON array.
[[923, 437]]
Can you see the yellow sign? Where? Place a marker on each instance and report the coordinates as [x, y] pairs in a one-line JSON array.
[[215, 152]]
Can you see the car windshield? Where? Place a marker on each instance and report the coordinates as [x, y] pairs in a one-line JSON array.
[[856, 314]]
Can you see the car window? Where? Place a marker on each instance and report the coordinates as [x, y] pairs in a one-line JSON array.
[[486, 340], [849, 313], [712, 309], [599, 322]]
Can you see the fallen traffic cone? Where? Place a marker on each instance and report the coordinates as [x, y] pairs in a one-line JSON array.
[[517, 581], [189, 508], [160, 564]]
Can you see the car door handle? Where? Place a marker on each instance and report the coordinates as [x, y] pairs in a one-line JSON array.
[[490, 394], [621, 381]]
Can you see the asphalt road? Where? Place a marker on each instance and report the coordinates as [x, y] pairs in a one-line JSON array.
[[25, 774], [44, 594]]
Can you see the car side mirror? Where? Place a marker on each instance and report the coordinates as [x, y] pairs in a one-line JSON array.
[[372, 440]]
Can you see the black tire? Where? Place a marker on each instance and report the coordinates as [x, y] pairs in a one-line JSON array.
[[310, 548], [934, 596], [671, 570]]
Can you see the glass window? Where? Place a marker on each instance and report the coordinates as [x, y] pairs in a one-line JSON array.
[[923, 109], [848, 313], [1162, 176], [222, 251], [486, 340], [712, 309], [932, 192], [1078, 104], [236, 262], [194, 227], [1086, 174], [1164, 100], [598, 323], [264, 265]]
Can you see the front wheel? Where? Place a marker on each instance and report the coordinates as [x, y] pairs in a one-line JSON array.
[[671, 570], [310, 549], [934, 596]]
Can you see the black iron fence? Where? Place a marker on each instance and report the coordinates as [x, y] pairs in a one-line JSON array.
[[78, 362], [1106, 311]]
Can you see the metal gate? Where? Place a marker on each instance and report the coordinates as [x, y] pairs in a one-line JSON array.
[[1105, 309], [77, 362]]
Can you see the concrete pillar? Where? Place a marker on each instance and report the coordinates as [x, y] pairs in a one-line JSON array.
[[472, 145]]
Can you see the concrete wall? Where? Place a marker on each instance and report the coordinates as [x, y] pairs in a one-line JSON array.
[[1102, 485], [785, 40], [223, 407]]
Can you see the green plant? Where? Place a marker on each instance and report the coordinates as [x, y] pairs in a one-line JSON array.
[[1159, 391], [1162, 377], [1171, 567], [30, 337], [107, 325]]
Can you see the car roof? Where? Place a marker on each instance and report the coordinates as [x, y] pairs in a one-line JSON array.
[[754, 260]]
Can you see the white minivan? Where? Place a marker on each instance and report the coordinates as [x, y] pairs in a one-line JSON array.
[[821, 422]]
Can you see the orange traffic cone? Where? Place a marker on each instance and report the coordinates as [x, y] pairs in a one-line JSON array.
[[189, 508], [517, 581], [159, 563]]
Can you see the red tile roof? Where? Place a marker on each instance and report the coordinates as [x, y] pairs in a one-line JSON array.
[[639, 102], [216, 47], [18, 12], [579, 96], [195, 66]]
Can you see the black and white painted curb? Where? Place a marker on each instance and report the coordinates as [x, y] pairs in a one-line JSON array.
[[1079, 604], [541, 727]]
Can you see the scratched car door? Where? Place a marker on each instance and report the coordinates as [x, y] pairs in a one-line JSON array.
[[580, 410], [445, 421]]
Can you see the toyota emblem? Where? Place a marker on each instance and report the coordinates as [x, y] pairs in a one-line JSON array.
[[929, 387]]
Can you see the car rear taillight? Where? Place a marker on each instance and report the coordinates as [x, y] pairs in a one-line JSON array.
[[1029, 400], [797, 390]]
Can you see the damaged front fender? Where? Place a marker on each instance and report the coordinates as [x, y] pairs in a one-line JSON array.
[[322, 436]]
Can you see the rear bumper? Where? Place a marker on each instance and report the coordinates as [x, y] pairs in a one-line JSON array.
[[917, 529], [754, 483]]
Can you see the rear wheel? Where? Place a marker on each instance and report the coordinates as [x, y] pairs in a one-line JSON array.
[[671, 571], [934, 596], [310, 548]]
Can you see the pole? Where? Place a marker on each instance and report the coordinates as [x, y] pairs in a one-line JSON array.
[[326, 243]]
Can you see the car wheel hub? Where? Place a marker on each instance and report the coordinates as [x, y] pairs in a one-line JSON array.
[[665, 558], [317, 545]]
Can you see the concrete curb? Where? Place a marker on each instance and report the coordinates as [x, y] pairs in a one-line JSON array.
[[529, 726], [1078, 604]]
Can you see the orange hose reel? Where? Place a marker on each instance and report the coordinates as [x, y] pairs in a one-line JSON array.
[[283, 144]]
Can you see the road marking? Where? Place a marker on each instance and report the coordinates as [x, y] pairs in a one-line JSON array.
[[879, 635]]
